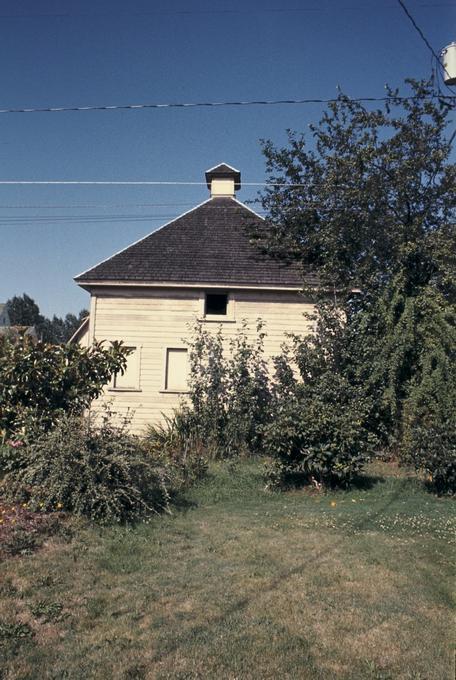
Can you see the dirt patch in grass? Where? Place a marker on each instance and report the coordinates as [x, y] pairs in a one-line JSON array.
[[22, 530]]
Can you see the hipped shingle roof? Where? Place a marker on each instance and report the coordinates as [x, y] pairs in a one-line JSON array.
[[209, 244]]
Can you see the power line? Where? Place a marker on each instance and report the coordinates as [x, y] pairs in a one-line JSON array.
[[418, 29], [83, 220], [13, 219], [272, 10], [102, 182], [189, 105], [70, 218], [134, 183], [93, 205], [262, 10], [88, 220], [423, 37]]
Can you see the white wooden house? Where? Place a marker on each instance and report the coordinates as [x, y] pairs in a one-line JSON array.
[[201, 267]]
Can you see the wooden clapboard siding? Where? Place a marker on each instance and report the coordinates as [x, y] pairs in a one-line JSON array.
[[156, 319]]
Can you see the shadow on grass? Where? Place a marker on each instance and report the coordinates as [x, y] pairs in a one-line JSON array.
[[243, 603], [300, 482], [183, 504], [366, 482]]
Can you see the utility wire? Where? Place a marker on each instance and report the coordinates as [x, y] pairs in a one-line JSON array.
[[423, 38], [262, 10], [188, 105], [136, 183], [93, 205], [69, 218], [82, 220]]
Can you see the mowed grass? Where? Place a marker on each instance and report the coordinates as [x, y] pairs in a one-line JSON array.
[[240, 582]]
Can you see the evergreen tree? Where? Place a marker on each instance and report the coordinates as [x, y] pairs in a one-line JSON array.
[[24, 311]]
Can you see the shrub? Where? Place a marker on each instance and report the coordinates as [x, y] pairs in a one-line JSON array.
[[13, 455], [229, 391], [429, 432], [319, 426], [39, 382], [177, 443], [316, 436], [432, 449], [95, 470]]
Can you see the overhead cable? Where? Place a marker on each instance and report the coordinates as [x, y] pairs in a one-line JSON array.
[[423, 38], [92, 205], [193, 11], [134, 183], [189, 105]]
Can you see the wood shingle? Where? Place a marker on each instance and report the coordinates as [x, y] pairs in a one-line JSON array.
[[209, 244]]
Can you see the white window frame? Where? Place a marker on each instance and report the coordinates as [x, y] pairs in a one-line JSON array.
[[164, 389], [112, 386]]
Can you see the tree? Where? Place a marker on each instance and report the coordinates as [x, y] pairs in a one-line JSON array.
[[40, 382], [58, 330], [23, 311], [374, 210], [375, 196]]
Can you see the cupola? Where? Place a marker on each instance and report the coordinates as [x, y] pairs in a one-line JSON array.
[[223, 180]]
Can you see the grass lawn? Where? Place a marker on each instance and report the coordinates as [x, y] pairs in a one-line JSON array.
[[242, 583]]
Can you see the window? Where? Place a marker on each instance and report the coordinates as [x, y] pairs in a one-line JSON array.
[[129, 379], [176, 371], [216, 304], [217, 307]]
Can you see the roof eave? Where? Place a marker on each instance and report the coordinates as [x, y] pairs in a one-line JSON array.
[[90, 284]]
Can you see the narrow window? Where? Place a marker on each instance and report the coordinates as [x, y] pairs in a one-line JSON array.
[[176, 370], [129, 379], [216, 304]]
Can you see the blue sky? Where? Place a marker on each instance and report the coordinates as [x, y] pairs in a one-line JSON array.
[[61, 53]]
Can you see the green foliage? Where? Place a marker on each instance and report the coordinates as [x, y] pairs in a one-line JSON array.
[[395, 354], [14, 639], [429, 409], [177, 443], [14, 632], [94, 470], [375, 194], [415, 353], [12, 455], [24, 311], [39, 382], [47, 612], [319, 426], [229, 390], [59, 330], [431, 448], [374, 210], [318, 437]]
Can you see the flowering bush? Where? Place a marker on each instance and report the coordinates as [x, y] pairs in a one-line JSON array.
[[92, 469]]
